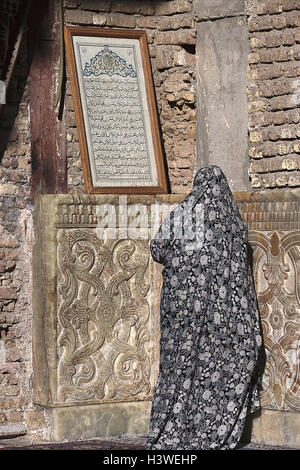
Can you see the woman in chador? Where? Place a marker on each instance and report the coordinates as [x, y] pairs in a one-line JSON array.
[[210, 328]]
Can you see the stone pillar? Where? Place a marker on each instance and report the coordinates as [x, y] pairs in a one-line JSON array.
[[222, 114]]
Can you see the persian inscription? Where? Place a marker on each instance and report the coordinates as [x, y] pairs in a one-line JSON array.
[[116, 117]]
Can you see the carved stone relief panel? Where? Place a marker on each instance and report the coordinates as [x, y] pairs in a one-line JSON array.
[[96, 330], [274, 235], [103, 318], [276, 273]]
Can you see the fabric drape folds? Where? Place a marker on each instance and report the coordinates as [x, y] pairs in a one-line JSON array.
[[210, 328]]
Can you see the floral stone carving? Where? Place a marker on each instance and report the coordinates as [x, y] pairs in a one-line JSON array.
[[276, 272], [103, 316]]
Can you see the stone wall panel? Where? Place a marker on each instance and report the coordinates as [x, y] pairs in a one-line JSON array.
[[102, 301]]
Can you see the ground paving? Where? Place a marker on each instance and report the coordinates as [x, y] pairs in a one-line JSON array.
[[113, 443]]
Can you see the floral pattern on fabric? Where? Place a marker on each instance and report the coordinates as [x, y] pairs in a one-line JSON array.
[[210, 327]]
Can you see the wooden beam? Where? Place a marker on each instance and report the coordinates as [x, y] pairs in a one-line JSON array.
[[48, 129]]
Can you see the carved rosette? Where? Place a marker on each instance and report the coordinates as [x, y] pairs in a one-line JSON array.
[[103, 318]]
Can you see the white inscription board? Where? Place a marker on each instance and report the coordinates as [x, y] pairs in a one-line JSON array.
[[115, 110]]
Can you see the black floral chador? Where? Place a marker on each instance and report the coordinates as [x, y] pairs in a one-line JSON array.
[[210, 328]]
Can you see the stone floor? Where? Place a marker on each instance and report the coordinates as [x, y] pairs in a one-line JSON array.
[[127, 442]]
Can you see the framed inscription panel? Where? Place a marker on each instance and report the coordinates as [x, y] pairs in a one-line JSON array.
[[115, 110]]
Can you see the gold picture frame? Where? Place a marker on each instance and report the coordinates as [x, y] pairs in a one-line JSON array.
[[115, 110]]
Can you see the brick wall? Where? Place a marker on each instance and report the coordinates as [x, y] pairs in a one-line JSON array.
[[16, 407], [171, 37], [274, 114], [274, 93]]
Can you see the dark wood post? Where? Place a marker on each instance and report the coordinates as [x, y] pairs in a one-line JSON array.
[[48, 129]]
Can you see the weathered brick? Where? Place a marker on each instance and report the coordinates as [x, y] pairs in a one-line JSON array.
[[287, 131], [279, 21], [280, 86], [258, 119], [147, 22], [9, 242], [183, 58], [99, 19], [183, 163], [261, 23], [253, 58], [35, 419], [8, 293], [290, 69], [278, 179], [78, 16], [14, 355], [273, 38], [120, 20], [10, 390], [129, 6], [288, 37], [274, 6], [268, 71], [11, 403], [176, 82], [176, 37], [173, 6], [95, 5], [176, 22], [70, 3], [150, 36], [73, 149], [292, 19], [11, 254], [256, 151], [269, 165], [164, 57], [70, 119], [283, 117], [294, 52], [16, 416], [133, 7], [258, 40], [270, 55], [288, 5], [257, 105], [255, 136]]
